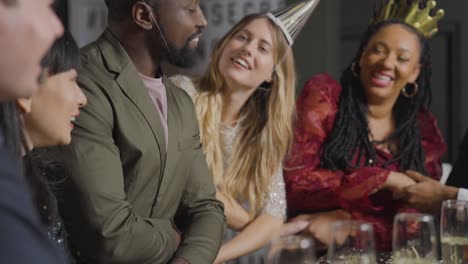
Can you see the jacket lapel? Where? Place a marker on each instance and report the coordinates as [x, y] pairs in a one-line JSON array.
[[132, 86], [173, 122]]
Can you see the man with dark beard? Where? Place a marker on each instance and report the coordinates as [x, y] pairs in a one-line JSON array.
[[136, 161]]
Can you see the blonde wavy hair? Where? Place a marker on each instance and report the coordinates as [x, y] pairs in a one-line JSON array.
[[265, 130]]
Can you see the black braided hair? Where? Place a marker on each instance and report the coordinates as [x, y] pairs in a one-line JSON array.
[[350, 134]]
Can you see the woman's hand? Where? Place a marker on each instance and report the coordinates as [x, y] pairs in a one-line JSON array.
[[397, 181], [293, 228], [237, 217], [320, 224], [257, 234]]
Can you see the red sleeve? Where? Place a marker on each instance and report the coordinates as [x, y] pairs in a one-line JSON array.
[[310, 188], [432, 143]]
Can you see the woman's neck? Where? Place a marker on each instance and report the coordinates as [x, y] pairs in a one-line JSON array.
[[380, 111], [233, 101], [380, 121]]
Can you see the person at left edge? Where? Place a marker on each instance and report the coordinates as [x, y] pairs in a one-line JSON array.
[[135, 160]]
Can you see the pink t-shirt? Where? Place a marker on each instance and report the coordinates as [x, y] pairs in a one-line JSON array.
[[157, 92]]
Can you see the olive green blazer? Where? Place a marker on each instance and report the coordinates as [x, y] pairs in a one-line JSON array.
[[124, 189]]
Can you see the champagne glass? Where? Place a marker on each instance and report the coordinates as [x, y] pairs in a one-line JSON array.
[[414, 239], [292, 249], [454, 231], [352, 243]]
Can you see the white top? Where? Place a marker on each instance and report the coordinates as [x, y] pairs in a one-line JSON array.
[[462, 194], [274, 202]]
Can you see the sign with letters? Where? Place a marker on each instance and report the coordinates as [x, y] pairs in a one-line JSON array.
[[88, 18], [221, 16]]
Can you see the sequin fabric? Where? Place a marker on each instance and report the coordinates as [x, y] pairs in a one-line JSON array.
[[275, 199], [274, 202], [48, 206], [56, 231]]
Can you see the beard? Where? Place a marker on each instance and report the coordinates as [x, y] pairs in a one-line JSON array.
[[184, 57]]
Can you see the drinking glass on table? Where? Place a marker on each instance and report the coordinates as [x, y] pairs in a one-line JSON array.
[[352, 243], [454, 232], [414, 239], [291, 250]]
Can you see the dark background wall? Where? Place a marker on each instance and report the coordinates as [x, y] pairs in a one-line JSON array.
[[330, 39]]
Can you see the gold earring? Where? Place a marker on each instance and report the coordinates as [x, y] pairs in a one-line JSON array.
[[414, 86]]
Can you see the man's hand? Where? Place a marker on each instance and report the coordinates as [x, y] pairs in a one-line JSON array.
[[427, 194]]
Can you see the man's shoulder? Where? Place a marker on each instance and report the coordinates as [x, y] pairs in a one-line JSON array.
[[185, 89], [183, 102], [181, 88], [94, 76], [92, 64], [184, 83]]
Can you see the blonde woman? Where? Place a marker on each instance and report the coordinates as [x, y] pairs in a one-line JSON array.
[[245, 105]]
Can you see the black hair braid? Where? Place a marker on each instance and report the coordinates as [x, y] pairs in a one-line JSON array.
[[350, 124], [406, 110], [350, 134]]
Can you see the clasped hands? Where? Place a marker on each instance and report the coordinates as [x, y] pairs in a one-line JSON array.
[[416, 190]]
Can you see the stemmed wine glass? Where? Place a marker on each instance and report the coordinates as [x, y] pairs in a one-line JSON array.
[[414, 239], [352, 243], [293, 249], [454, 231]]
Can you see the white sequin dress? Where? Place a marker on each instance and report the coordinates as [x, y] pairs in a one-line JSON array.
[[275, 199]]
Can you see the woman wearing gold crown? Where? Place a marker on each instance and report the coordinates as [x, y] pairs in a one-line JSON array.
[[245, 105], [355, 139]]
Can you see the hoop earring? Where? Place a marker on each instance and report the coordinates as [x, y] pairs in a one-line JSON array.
[[414, 87], [353, 70]]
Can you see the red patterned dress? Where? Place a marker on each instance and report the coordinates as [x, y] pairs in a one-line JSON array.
[[313, 189]]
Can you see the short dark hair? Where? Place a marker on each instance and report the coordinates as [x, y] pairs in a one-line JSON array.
[[63, 56], [120, 9]]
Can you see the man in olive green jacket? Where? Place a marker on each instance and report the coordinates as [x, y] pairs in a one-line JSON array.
[[127, 185]]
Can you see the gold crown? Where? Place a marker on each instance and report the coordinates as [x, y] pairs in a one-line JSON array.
[[412, 14]]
